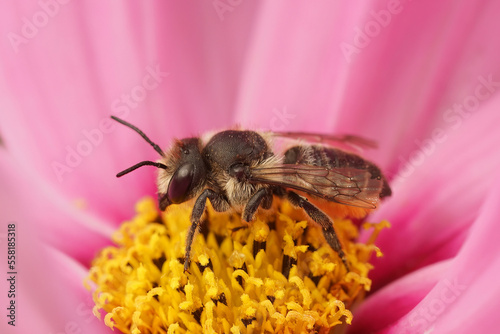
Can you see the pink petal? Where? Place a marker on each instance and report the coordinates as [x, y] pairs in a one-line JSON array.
[[437, 201], [52, 218], [468, 291], [395, 300], [460, 295], [395, 90], [49, 294], [62, 84]]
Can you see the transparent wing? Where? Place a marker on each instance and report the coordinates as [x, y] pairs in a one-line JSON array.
[[348, 142], [348, 186]]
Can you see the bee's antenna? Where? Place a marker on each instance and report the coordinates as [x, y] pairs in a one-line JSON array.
[[143, 135], [140, 164]]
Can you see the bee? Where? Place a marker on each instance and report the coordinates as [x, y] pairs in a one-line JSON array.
[[239, 170]]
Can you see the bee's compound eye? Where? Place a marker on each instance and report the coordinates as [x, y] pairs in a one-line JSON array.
[[180, 183]]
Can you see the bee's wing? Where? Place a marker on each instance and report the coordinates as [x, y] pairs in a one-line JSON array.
[[348, 186], [349, 142]]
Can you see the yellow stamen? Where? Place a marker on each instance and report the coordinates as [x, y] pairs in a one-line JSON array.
[[276, 275]]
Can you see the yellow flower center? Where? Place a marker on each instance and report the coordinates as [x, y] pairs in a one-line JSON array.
[[275, 275]]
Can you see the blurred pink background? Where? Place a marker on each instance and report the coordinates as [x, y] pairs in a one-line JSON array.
[[419, 77]]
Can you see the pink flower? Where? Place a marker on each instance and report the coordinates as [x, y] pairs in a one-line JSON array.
[[420, 77]]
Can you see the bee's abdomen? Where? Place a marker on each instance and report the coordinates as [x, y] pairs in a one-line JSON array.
[[332, 158], [325, 157]]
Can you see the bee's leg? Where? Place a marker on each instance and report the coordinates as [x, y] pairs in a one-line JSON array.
[[323, 220], [219, 204], [262, 197], [163, 201]]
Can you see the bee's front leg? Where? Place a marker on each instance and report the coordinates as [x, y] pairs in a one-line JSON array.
[[219, 203]]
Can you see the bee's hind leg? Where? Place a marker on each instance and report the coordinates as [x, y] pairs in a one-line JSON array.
[[322, 219]]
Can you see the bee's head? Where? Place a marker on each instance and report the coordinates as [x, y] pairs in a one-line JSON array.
[[184, 175], [182, 170]]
